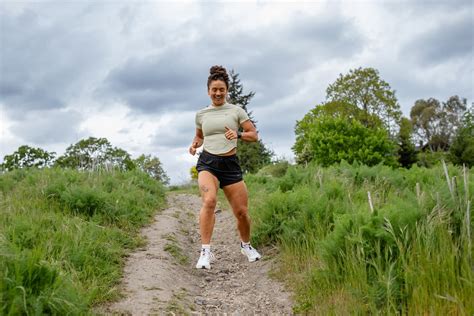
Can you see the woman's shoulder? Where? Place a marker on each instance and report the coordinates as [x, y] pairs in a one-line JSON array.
[[234, 106], [203, 110]]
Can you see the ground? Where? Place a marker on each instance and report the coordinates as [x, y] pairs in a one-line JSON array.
[[161, 278]]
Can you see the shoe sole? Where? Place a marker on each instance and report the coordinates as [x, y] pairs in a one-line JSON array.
[[250, 260], [203, 267]]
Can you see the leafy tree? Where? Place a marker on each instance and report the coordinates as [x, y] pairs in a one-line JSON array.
[[194, 173], [236, 94], [454, 109], [406, 149], [333, 139], [462, 149], [26, 156], [364, 88], [92, 152], [332, 109], [425, 118], [252, 155], [153, 167], [435, 123]]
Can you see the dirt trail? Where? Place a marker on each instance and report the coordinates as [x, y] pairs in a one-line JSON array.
[[160, 279]]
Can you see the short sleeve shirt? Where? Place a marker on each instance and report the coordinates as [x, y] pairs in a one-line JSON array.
[[212, 120]]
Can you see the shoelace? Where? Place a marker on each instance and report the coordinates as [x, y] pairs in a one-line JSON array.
[[209, 253]]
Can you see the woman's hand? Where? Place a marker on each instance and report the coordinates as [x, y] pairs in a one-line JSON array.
[[230, 133], [192, 149]]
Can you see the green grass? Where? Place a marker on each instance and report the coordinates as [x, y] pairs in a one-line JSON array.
[[176, 252], [64, 234], [411, 255]]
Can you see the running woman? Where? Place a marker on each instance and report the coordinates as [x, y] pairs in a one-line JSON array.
[[217, 130]]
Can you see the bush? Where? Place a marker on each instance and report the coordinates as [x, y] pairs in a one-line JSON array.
[[276, 170], [398, 259], [64, 234]]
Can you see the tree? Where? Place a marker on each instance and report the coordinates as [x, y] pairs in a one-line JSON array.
[[153, 167], [193, 172], [331, 140], [91, 153], [364, 88], [255, 155], [332, 109], [435, 123], [425, 117], [406, 149], [462, 149], [235, 94], [26, 156]]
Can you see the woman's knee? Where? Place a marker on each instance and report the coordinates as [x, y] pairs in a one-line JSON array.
[[210, 202], [241, 213]]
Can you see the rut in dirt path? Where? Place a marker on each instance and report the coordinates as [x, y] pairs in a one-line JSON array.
[[160, 278]]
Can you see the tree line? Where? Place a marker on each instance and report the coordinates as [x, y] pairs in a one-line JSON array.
[[361, 120], [87, 154]]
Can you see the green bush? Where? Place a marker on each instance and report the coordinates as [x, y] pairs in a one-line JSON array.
[[429, 159], [410, 255], [276, 170], [31, 285], [65, 234]]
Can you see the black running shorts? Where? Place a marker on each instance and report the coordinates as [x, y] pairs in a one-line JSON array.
[[225, 168]]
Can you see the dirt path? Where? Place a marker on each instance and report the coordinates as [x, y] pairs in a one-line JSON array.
[[160, 279]]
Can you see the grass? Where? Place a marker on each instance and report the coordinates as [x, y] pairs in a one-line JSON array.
[[64, 235], [410, 253]]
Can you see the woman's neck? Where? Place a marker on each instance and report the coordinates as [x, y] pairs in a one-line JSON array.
[[218, 105]]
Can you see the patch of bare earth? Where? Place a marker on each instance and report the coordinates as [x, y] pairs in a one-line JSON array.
[[161, 278]]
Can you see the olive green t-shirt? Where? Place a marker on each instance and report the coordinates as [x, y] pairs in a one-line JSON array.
[[212, 120]]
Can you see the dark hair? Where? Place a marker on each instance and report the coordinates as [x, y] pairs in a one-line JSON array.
[[218, 73]]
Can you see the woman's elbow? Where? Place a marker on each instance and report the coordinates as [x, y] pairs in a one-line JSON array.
[[255, 137]]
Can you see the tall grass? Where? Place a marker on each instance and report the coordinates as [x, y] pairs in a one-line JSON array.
[[63, 236], [406, 251]]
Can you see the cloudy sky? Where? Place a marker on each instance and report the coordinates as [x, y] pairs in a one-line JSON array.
[[135, 72]]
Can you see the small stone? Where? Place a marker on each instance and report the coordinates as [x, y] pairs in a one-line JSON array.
[[208, 279], [213, 303], [200, 300]]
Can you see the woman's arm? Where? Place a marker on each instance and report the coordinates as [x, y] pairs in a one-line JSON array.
[[249, 134], [197, 141]]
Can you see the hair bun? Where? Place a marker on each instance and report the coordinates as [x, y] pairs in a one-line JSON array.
[[218, 70]]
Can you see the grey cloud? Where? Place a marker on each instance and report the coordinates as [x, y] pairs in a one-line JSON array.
[[45, 63], [157, 84], [448, 40], [434, 6], [176, 78], [48, 127], [178, 133]]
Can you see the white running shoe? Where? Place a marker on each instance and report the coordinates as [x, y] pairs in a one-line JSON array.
[[251, 253], [205, 259]]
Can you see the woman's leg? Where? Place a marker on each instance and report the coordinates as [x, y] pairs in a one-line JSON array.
[[237, 196], [208, 188]]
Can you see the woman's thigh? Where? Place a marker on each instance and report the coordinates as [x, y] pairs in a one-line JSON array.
[[237, 196], [208, 185]]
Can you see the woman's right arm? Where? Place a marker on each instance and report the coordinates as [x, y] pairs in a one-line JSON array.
[[197, 141]]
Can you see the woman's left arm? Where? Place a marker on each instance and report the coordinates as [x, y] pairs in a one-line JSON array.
[[250, 132]]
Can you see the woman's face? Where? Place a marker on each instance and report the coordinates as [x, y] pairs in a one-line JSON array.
[[217, 92]]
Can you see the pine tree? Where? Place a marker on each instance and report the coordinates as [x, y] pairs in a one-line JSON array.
[[252, 156], [406, 149]]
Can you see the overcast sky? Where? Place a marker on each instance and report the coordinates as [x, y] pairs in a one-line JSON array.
[[136, 72]]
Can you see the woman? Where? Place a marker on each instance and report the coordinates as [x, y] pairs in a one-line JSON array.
[[217, 129]]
